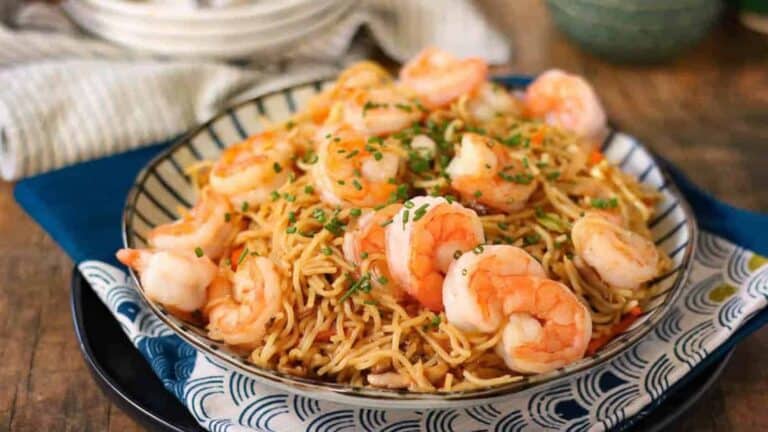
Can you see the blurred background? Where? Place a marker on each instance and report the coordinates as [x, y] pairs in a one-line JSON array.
[[689, 78]]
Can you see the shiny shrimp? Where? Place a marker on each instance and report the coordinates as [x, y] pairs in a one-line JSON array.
[[486, 172], [175, 279], [567, 101], [361, 76], [491, 101], [206, 226], [368, 240], [622, 258], [249, 171], [381, 111], [544, 325], [239, 310], [439, 78], [422, 241], [351, 171]]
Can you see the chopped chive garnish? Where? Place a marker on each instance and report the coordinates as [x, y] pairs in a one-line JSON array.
[[503, 226], [291, 229], [404, 107], [276, 166], [363, 255], [243, 254], [325, 250], [319, 215], [244, 207], [603, 203], [406, 215], [357, 184], [420, 212], [553, 175], [355, 212], [274, 195], [311, 157], [334, 226], [478, 194], [409, 204], [227, 217], [199, 252], [377, 155], [288, 197], [383, 280], [308, 189], [531, 239], [352, 154], [291, 217]]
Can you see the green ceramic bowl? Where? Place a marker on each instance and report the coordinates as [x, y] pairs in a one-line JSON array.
[[635, 30]]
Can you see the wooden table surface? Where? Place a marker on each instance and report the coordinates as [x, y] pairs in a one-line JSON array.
[[707, 111]]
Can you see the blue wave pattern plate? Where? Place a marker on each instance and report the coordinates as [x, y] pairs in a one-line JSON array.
[[727, 285], [161, 188]]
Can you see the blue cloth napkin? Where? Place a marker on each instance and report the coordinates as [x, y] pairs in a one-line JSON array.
[[81, 208]]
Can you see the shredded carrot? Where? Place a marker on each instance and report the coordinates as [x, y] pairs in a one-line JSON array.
[[596, 157], [618, 328], [234, 257], [325, 335], [537, 138]]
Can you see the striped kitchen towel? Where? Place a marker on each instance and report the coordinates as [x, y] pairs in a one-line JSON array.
[[67, 98]]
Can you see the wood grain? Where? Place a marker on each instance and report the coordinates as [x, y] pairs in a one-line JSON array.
[[707, 111]]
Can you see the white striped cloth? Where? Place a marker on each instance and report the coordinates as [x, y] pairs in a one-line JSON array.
[[67, 98]]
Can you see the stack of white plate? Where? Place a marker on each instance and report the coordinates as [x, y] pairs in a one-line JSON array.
[[241, 29]]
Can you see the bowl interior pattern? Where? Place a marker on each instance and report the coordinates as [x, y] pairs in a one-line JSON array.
[[162, 188]]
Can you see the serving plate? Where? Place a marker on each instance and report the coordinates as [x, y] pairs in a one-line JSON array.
[[127, 379], [161, 188]]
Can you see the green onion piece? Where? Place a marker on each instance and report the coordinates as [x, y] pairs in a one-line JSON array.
[[199, 252], [243, 254]]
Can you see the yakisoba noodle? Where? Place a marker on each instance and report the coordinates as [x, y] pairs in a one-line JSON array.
[[348, 323]]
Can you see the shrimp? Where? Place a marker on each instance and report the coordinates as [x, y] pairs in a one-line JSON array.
[[423, 239], [484, 171], [622, 258], [544, 325], [381, 111], [349, 171], [175, 279], [249, 171], [369, 239], [360, 76], [491, 100], [239, 310], [205, 226], [439, 78], [567, 101]]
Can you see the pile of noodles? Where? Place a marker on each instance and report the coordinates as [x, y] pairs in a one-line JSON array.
[[336, 326]]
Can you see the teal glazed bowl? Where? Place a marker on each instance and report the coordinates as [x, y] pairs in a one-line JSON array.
[[639, 31]]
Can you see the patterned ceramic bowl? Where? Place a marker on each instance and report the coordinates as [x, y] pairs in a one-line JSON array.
[[635, 30], [162, 187]]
